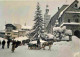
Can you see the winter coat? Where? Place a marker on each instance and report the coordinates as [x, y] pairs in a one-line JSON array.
[[8, 42], [3, 42], [0, 42]]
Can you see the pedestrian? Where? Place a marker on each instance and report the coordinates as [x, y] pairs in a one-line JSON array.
[[3, 44], [0, 42], [17, 44], [8, 43], [13, 45], [38, 44]]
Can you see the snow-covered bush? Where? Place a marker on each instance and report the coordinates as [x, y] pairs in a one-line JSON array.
[[50, 35], [61, 32], [68, 32]]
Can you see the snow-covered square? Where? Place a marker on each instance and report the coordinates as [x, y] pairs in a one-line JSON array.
[[58, 49]]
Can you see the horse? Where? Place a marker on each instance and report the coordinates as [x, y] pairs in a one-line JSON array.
[[48, 43], [32, 46]]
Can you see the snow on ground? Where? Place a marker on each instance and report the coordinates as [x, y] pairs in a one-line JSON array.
[[1, 39], [59, 49]]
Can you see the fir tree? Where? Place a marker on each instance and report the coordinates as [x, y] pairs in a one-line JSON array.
[[38, 25]]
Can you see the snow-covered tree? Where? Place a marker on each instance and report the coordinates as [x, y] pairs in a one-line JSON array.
[[61, 32], [38, 25]]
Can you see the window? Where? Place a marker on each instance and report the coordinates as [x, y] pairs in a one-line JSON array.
[[75, 5], [69, 20], [15, 33], [76, 20]]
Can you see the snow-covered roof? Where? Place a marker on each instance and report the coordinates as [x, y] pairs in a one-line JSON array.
[[21, 38], [71, 23], [72, 12], [15, 30], [50, 36], [62, 12], [26, 27]]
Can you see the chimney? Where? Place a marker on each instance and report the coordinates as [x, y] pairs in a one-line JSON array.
[[58, 8], [75, 0]]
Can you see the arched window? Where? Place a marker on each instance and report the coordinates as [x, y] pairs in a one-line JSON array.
[[76, 20], [69, 20]]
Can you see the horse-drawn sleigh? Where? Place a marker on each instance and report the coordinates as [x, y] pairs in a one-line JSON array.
[[42, 45]]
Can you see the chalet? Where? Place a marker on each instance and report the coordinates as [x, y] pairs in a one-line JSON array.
[[69, 16]]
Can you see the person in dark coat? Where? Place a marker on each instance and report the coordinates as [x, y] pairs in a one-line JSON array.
[[3, 44], [0, 42], [38, 43], [13, 45], [8, 43], [17, 44]]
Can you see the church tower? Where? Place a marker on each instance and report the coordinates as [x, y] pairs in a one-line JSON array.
[[46, 17]]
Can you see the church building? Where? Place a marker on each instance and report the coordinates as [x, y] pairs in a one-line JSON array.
[[46, 18]]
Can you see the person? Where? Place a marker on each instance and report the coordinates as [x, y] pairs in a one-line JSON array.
[[8, 43], [0, 42], [13, 45], [38, 43], [17, 44], [3, 44]]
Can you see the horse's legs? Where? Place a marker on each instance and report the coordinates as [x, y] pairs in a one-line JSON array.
[[44, 48], [49, 47]]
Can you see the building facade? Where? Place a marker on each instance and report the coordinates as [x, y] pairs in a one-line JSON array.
[[68, 16], [8, 30], [13, 31]]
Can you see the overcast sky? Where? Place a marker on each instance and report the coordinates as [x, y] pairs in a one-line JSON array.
[[21, 11]]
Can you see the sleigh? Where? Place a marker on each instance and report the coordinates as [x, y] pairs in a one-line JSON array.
[[33, 46]]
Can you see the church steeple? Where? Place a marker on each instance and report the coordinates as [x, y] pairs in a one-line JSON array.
[[47, 9]]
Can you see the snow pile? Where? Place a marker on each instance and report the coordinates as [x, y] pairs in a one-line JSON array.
[[35, 42], [65, 38], [77, 54], [60, 29], [69, 32], [50, 36], [64, 28], [21, 38], [57, 29], [58, 49], [76, 43], [3, 39]]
